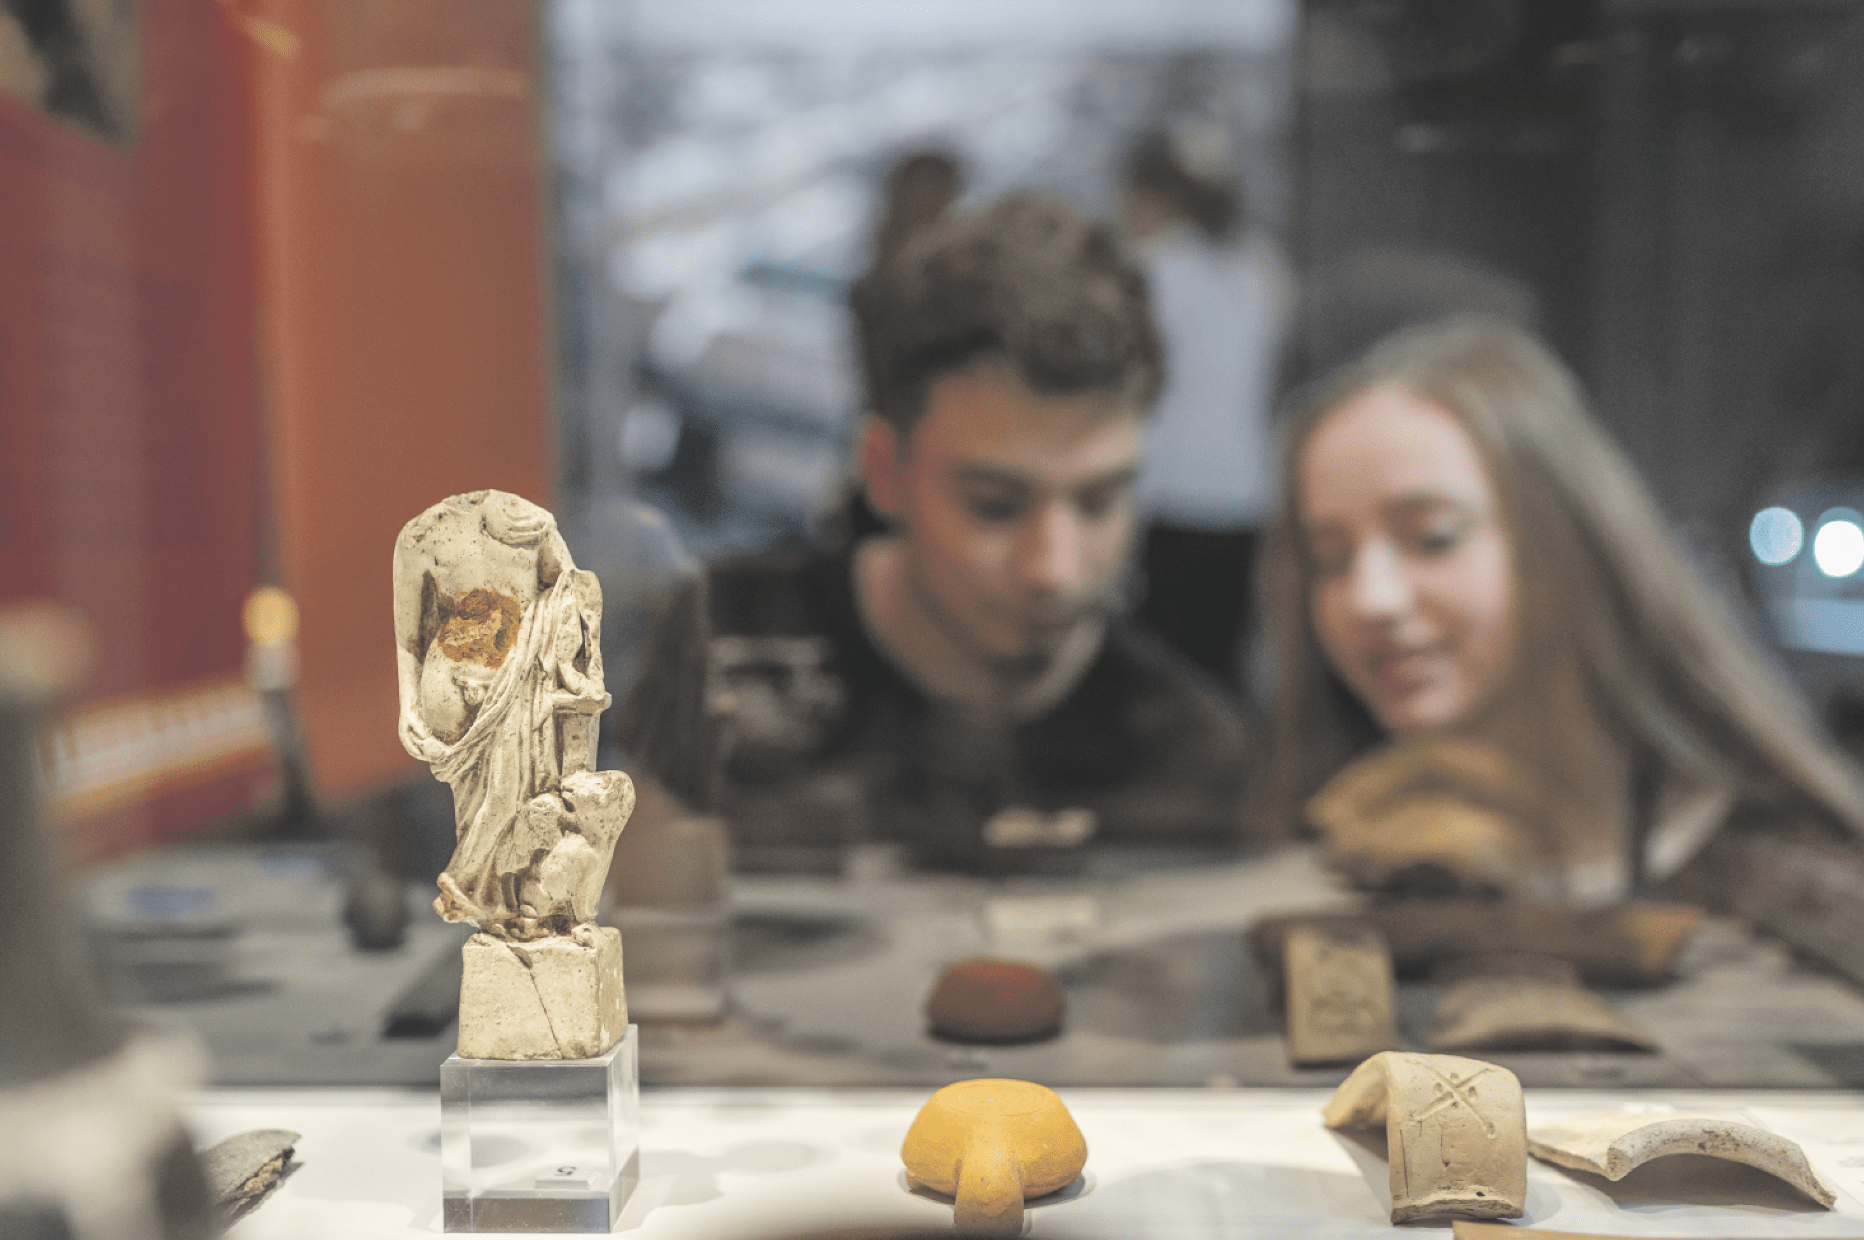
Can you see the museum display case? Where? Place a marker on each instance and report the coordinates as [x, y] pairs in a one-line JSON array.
[[579, 287]]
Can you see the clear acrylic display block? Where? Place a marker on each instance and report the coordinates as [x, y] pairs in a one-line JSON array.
[[549, 1145]]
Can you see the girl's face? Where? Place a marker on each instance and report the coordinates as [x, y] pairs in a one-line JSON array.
[[1412, 576]]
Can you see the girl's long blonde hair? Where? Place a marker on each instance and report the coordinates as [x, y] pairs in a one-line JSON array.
[[1599, 579]]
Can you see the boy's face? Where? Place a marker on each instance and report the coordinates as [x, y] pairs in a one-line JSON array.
[[1016, 509]]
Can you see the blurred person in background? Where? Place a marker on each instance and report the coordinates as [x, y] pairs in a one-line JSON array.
[[1498, 672], [920, 190], [1220, 294], [960, 682]]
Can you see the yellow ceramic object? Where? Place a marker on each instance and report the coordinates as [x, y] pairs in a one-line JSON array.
[[991, 1143]]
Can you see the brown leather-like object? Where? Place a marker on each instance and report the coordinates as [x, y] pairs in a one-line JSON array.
[[1433, 816], [1526, 1003], [994, 1001], [1627, 945]]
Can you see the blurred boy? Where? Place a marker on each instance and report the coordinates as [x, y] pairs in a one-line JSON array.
[[961, 682]]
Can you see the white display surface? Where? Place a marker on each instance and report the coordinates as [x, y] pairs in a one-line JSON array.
[[1178, 1164]]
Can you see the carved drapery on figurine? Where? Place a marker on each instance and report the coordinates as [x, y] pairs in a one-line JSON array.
[[498, 642]]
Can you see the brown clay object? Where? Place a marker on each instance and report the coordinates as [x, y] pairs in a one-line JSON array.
[[1455, 1132], [991, 1144], [1625, 945], [1526, 1003], [1615, 1143], [1339, 994], [1441, 815], [984, 999]]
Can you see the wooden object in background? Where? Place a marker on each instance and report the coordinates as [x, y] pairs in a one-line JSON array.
[[994, 1001], [1338, 994], [1625, 945]]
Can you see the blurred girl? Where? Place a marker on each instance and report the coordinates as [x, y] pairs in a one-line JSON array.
[[1479, 612]]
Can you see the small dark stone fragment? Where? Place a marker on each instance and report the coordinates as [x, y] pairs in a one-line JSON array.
[[243, 1170], [994, 1001]]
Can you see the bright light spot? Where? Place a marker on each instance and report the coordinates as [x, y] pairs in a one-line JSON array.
[[1776, 535], [1838, 547]]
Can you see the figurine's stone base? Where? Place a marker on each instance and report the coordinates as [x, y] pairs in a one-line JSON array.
[[550, 998], [540, 1146]]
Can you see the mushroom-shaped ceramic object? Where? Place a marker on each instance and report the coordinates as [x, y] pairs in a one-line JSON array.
[[1455, 1132], [990, 1144]]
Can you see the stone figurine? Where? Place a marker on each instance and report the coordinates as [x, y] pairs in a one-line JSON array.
[[498, 646], [1455, 1132]]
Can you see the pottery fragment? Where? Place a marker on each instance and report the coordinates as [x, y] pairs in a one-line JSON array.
[[1455, 1132], [1526, 1003], [1615, 1143], [242, 1170]]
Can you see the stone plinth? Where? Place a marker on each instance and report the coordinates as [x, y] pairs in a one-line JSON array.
[[550, 998]]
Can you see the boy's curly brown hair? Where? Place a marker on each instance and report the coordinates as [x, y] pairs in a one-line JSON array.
[[1026, 281]]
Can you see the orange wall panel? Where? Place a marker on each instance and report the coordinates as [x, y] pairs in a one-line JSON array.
[[405, 326], [129, 426]]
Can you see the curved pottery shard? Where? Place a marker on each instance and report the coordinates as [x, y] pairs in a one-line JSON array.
[[1526, 1003], [1455, 1132], [990, 1144], [1615, 1143]]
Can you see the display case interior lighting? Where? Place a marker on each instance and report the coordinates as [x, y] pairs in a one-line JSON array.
[[1838, 546], [1776, 535]]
